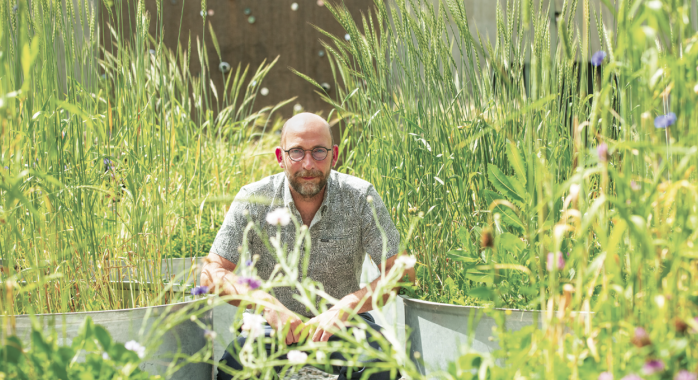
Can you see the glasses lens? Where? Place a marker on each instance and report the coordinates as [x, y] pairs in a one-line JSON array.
[[296, 154], [319, 154]]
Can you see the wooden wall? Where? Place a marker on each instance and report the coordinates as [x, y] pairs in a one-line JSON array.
[[277, 30]]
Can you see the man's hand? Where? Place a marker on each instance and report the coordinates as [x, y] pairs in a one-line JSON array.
[[279, 317], [318, 326]]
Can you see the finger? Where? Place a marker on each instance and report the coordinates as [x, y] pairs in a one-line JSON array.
[[318, 334], [325, 336]]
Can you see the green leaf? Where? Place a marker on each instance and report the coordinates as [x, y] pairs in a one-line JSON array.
[[481, 292], [502, 184], [517, 162], [510, 243], [103, 337], [464, 237], [458, 255], [508, 215]]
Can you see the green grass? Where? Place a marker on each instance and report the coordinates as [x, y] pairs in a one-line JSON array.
[[120, 162]]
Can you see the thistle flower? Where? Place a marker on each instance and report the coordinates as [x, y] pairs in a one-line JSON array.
[[598, 57], [297, 357], [252, 325], [136, 347], [605, 376], [602, 151], [279, 217], [209, 335], [251, 282], [663, 121], [555, 259], [199, 290], [641, 337], [486, 239], [652, 367], [685, 375]]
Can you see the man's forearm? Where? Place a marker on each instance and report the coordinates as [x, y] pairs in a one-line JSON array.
[[365, 303], [225, 283]]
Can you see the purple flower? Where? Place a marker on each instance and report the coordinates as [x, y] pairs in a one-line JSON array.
[[199, 290], [7, 167], [598, 57], [251, 282], [641, 337], [605, 376], [652, 367], [602, 151], [632, 376], [107, 162], [248, 263], [685, 375], [557, 259], [663, 121]]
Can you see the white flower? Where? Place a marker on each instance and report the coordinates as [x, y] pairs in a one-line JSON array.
[[253, 325], [320, 356], [105, 356], [407, 261], [279, 217], [136, 347], [297, 357]]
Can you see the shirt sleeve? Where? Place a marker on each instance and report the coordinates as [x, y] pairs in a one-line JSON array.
[[371, 237], [229, 237]]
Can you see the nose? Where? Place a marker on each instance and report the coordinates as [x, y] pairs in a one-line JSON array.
[[308, 161]]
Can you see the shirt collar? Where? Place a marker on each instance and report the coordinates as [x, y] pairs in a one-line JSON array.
[[329, 188]]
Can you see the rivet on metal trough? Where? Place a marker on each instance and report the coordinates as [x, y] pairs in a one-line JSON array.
[[325, 86], [264, 91], [251, 19], [224, 67], [294, 6]]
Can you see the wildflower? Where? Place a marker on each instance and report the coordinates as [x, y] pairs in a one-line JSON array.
[[320, 356], [252, 325], [211, 12], [605, 376], [641, 337], [602, 151], [680, 325], [369, 199], [199, 290], [663, 121], [279, 217], [652, 367], [248, 263], [555, 259], [251, 282], [297, 357], [486, 239], [134, 346], [294, 6], [685, 375], [209, 335], [105, 356], [632, 376], [634, 185], [598, 57], [347, 37], [407, 261]]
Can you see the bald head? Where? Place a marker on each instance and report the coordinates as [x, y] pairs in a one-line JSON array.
[[307, 123]]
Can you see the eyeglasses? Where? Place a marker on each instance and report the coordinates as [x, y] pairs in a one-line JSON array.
[[297, 154]]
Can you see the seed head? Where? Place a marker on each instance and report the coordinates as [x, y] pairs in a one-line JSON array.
[[486, 239], [641, 337]]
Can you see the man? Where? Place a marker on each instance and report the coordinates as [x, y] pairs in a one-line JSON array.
[[341, 224]]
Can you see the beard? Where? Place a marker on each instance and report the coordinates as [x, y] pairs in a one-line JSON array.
[[307, 189]]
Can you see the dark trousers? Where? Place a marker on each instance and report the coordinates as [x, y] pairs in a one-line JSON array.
[[230, 356]]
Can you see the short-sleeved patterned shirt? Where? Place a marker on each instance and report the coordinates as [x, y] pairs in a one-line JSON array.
[[342, 232]]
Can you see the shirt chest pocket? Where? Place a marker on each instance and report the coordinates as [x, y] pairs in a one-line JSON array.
[[338, 247]]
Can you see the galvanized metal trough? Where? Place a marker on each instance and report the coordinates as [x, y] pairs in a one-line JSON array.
[[124, 325], [439, 330]]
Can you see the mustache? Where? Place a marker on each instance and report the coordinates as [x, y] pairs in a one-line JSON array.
[[308, 173]]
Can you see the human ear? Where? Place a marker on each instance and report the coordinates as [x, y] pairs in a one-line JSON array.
[[279, 156], [335, 154]]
